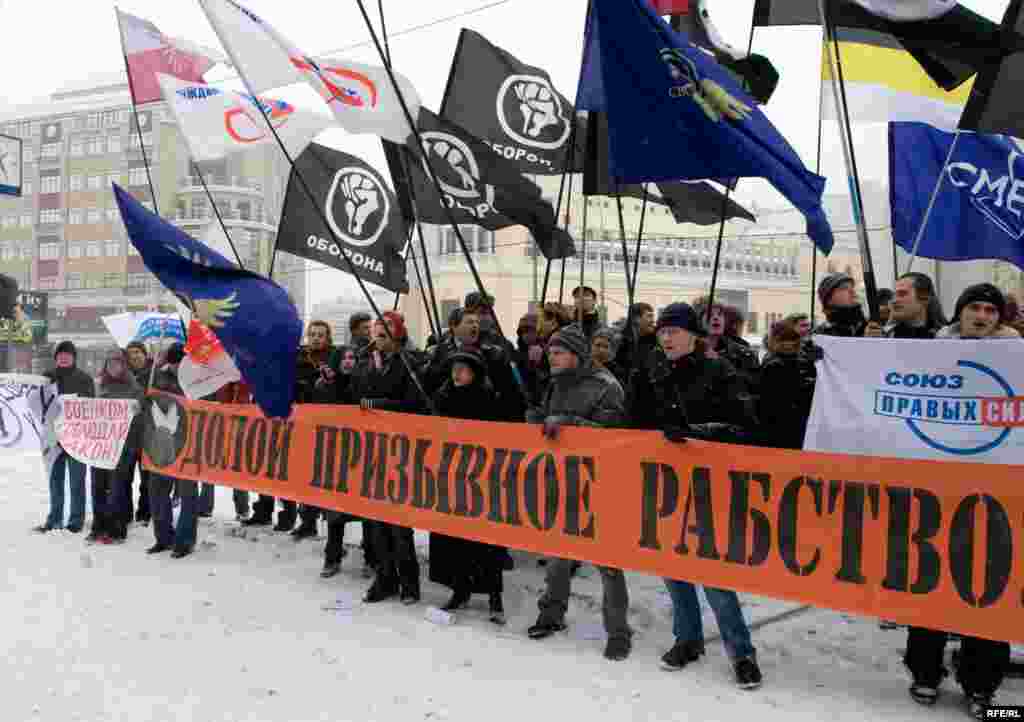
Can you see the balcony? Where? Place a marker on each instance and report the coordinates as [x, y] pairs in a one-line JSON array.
[[222, 183], [232, 218]]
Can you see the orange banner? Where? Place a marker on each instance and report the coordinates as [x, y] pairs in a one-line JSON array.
[[917, 542]]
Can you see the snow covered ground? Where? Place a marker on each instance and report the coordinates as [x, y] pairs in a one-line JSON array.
[[244, 629]]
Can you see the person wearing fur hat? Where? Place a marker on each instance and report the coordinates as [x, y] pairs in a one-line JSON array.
[[580, 394], [788, 377], [843, 312], [70, 380], [980, 313], [464, 566], [112, 488], [693, 396]]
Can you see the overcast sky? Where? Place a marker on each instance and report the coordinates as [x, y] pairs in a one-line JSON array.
[[47, 45]]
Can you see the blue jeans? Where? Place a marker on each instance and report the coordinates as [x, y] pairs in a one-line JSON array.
[[188, 515], [686, 618], [76, 471], [167, 533]]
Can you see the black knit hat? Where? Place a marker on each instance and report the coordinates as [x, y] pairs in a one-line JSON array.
[[472, 358], [572, 339], [175, 353], [680, 315], [984, 293], [829, 284], [65, 347]]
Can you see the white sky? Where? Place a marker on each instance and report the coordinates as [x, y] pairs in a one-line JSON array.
[[46, 45]]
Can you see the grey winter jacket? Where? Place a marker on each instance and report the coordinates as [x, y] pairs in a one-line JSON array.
[[588, 396]]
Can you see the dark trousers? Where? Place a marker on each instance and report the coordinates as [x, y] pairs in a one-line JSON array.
[[335, 548], [290, 510], [263, 508], [982, 662], [396, 555], [112, 499]]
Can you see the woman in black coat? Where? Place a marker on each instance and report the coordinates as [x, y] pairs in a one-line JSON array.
[[468, 567]]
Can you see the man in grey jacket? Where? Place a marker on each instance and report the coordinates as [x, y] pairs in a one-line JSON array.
[[581, 394]]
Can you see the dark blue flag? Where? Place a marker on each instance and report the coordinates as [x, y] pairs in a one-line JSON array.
[[675, 114], [977, 212], [252, 316]]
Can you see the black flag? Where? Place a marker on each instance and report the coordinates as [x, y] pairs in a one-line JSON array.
[[994, 105], [511, 106], [696, 202], [479, 187], [361, 210]]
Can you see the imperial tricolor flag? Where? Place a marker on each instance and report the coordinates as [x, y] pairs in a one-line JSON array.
[[675, 114], [253, 317], [148, 52], [360, 96]]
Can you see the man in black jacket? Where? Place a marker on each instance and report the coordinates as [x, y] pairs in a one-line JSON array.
[[915, 309], [70, 381], [694, 396], [845, 316], [141, 367]]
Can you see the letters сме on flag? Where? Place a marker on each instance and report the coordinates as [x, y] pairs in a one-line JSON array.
[[252, 316], [148, 52], [954, 400], [977, 212], [362, 213], [360, 96], [675, 114], [216, 121]]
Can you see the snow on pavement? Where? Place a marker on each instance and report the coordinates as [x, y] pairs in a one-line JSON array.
[[245, 629]]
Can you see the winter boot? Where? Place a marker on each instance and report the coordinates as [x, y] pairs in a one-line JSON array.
[[681, 654], [305, 530], [748, 674], [545, 627], [330, 569], [618, 648], [460, 598], [978, 704], [497, 609], [383, 588]]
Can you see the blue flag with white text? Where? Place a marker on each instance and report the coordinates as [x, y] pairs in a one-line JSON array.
[[252, 316], [977, 212], [674, 113]]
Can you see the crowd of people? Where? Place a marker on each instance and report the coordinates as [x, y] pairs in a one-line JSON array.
[[687, 373]]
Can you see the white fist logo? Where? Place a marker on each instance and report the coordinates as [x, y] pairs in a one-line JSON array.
[[358, 206], [531, 113], [454, 162], [362, 198]]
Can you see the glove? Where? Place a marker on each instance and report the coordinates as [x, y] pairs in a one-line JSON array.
[[814, 352], [367, 404], [552, 425], [676, 434]]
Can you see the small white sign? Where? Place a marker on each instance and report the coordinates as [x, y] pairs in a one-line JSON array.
[[10, 165]]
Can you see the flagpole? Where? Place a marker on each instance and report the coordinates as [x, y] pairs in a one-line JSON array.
[[931, 202], [570, 157], [622, 238], [135, 112], [216, 212], [410, 254], [568, 222], [323, 218], [423, 154], [544, 286], [852, 177], [814, 247], [583, 262], [639, 237]]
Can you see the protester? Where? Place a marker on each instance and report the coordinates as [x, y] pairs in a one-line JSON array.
[[141, 367], [980, 311], [981, 663], [382, 381], [529, 358], [581, 394], [309, 366], [885, 297], [585, 314], [180, 536], [801, 322], [638, 340], [693, 396], [1013, 313], [603, 349], [359, 329], [720, 343], [844, 314], [70, 380], [468, 567], [787, 389], [237, 392], [112, 488], [915, 309]]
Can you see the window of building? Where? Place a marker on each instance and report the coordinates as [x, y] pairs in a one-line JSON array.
[[114, 144], [95, 182], [50, 184], [74, 216], [112, 215], [137, 177], [95, 146], [94, 215], [10, 221], [93, 250], [74, 182], [73, 280], [113, 248], [47, 284], [27, 188], [109, 118], [76, 149], [111, 280], [74, 250], [7, 251], [92, 121], [26, 220], [53, 215], [200, 209], [49, 251], [26, 251], [49, 150], [123, 115], [244, 210], [138, 280]]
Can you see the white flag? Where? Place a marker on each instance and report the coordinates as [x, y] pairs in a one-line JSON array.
[[361, 97], [216, 121], [955, 400], [908, 10]]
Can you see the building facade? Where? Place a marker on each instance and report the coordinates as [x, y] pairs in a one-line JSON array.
[[64, 234]]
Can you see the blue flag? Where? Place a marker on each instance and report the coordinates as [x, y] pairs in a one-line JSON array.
[[161, 327], [676, 114], [977, 212], [251, 315]]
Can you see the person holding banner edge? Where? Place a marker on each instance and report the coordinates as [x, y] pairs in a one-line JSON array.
[[71, 381], [141, 366]]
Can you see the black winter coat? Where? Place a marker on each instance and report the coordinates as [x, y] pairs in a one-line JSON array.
[[787, 389], [307, 371], [72, 381], [390, 386]]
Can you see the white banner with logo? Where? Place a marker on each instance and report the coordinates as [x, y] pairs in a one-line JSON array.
[[94, 431], [28, 407], [953, 400]]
